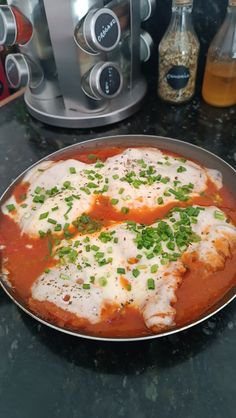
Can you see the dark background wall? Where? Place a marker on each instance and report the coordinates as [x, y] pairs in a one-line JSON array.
[[207, 18]]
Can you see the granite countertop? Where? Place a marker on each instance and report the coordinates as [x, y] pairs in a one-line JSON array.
[[44, 373]]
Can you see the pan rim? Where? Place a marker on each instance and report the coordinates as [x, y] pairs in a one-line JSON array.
[[94, 141]]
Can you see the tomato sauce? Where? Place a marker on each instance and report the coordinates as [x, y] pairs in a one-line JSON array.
[[29, 257], [103, 209], [20, 191]]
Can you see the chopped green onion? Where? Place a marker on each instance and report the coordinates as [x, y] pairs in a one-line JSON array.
[[165, 180], [68, 234], [92, 279], [53, 191], [99, 254], [47, 270], [85, 190], [150, 284], [92, 156], [76, 196], [68, 210], [23, 197], [92, 185], [115, 177], [181, 169], [125, 210], [43, 215], [114, 201], [72, 170], [99, 164], [64, 277], [52, 221], [160, 201], [154, 268], [94, 248], [38, 190], [164, 261], [150, 256], [86, 286], [11, 207], [121, 190], [57, 228], [102, 281], [120, 270], [142, 266], [105, 237], [219, 215], [170, 245], [50, 247], [135, 272], [39, 199], [42, 234], [55, 208], [67, 184]]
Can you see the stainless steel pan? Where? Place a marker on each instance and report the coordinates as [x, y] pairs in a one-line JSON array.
[[187, 150]]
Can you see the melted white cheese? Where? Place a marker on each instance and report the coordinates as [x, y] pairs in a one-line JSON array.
[[138, 161], [153, 175], [106, 281]]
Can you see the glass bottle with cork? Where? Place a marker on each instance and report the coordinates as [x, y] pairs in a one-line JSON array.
[[219, 85], [178, 55]]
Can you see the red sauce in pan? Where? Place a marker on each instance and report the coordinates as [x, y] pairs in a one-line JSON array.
[[28, 258]]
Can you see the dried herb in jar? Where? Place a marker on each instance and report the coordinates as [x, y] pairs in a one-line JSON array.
[[178, 56]]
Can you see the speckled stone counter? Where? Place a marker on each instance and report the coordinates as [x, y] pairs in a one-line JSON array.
[[44, 373]]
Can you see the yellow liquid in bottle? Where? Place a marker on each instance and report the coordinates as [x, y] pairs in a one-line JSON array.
[[219, 85]]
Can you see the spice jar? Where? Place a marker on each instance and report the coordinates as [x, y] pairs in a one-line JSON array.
[[15, 28], [178, 55], [219, 85]]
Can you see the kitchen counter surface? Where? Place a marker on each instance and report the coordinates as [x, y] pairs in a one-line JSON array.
[[44, 373]]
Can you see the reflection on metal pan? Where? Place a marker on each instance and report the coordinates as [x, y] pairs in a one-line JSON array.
[[187, 150]]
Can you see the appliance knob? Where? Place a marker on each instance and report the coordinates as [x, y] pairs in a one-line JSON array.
[[99, 31], [104, 80], [147, 8], [146, 46], [8, 28], [17, 70]]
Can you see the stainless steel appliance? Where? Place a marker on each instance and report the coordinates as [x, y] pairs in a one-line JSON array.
[[80, 60]]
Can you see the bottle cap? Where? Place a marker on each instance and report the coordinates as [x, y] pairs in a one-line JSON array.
[[102, 30]]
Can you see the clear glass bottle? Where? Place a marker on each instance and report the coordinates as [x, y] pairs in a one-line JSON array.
[[219, 85], [178, 55]]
